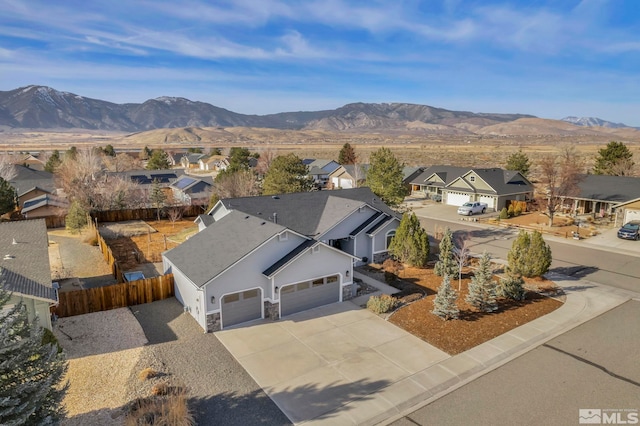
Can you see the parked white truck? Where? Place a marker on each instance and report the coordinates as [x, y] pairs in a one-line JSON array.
[[472, 207]]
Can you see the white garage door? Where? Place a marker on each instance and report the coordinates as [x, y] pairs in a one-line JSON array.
[[241, 307], [457, 198], [310, 294], [630, 215], [491, 201]]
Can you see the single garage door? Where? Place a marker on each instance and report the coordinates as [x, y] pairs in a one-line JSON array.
[[241, 307], [491, 201], [457, 198], [630, 215], [309, 294]]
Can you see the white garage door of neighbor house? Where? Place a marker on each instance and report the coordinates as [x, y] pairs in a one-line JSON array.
[[241, 307], [630, 215], [457, 198], [491, 201], [310, 294]]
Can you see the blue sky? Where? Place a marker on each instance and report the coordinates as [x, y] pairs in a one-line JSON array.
[[549, 58]]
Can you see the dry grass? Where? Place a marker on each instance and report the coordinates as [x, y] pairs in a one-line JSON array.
[[147, 373], [169, 410]]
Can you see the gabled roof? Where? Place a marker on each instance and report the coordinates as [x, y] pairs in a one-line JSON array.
[[378, 225], [365, 224], [223, 243], [618, 189], [327, 166], [308, 213], [271, 270], [410, 173], [504, 181], [193, 157], [27, 179], [446, 173], [186, 183], [24, 266], [43, 200]]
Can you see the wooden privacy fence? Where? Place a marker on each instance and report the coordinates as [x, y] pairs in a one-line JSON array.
[[141, 214], [114, 296]]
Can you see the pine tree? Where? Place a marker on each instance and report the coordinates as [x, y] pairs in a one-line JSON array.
[[157, 197], [159, 160], [615, 159], [410, 244], [512, 287], [8, 197], [384, 177], [347, 155], [76, 217], [444, 304], [53, 162], [446, 265], [30, 372], [287, 174], [530, 256], [519, 161], [482, 289]]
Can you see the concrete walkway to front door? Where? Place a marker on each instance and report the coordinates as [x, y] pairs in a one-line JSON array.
[[314, 363]]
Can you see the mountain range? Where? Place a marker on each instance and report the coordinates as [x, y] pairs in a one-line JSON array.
[[41, 107]]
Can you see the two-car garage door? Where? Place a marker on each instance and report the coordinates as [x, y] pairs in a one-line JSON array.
[[309, 294], [457, 198]]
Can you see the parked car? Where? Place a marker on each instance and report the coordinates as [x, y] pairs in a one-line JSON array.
[[630, 230], [470, 208]]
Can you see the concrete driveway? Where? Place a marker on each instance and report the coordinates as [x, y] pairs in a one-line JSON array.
[[314, 363]]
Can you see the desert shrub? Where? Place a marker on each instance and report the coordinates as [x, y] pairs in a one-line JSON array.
[[381, 304], [164, 389], [517, 211], [510, 210], [512, 287], [590, 219], [170, 410], [147, 373], [392, 266], [504, 214]]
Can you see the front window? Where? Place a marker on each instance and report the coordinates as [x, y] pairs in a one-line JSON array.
[[390, 235]]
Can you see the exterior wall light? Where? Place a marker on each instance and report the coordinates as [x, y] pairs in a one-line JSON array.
[[213, 300]]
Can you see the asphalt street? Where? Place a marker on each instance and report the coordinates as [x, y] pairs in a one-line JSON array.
[[594, 366]]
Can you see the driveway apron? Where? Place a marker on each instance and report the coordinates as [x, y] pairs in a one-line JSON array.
[[327, 362]]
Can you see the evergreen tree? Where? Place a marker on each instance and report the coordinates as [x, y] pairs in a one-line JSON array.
[[286, 174], [109, 151], [71, 153], [30, 371], [53, 162], [157, 197], [410, 243], [145, 153], [512, 287], [444, 304], [159, 160], [615, 160], [446, 265], [482, 289], [238, 159], [384, 177], [76, 217], [530, 256], [519, 161], [347, 154], [8, 197]]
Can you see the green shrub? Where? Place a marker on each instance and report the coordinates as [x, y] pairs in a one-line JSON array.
[[512, 287], [504, 213], [381, 304]]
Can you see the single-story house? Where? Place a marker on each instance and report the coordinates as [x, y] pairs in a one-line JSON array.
[[192, 190], [146, 179], [191, 160], [24, 267], [628, 211], [458, 185], [272, 256], [320, 170], [348, 176], [214, 163], [602, 195]]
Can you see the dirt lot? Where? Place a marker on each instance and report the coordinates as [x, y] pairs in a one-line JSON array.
[[138, 242], [473, 328], [562, 225]]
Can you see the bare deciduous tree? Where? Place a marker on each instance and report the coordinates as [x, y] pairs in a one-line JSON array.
[[7, 168], [559, 178], [264, 161], [121, 162], [174, 214], [242, 183], [462, 253]]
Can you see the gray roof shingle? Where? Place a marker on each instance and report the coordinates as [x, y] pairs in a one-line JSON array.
[[24, 266], [220, 245], [617, 189]]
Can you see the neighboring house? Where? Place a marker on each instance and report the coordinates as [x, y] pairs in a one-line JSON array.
[[24, 267], [45, 205], [628, 211], [272, 256], [320, 170], [348, 176], [603, 195], [214, 163], [30, 183], [457, 185], [29, 160], [191, 160], [145, 179], [409, 174], [192, 190]]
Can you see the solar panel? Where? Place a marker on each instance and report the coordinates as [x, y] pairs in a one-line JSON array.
[[184, 182]]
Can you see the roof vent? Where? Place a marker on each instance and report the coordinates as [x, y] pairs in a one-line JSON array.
[[9, 257], [14, 242]]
